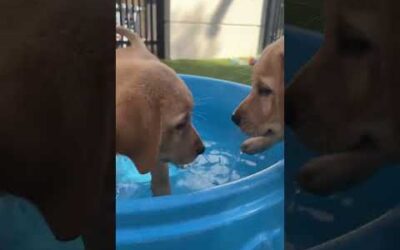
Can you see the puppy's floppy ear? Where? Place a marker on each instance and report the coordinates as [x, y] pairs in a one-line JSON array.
[[281, 48], [281, 54], [139, 132], [146, 156]]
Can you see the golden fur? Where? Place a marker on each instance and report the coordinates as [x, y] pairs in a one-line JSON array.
[[153, 114], [260, 114]]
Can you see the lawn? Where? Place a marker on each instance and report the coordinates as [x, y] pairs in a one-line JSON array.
[[305, 13], [218, 68]]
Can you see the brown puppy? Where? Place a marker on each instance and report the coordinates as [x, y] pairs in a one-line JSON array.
[[153, 114], [344, 102], [57, 116], [261, 114]]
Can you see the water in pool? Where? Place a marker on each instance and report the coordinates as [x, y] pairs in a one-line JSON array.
[[221, 163], [313, 220]]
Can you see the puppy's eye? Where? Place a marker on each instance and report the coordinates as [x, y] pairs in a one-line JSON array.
[[181, 125], [352, 43], [264, 91], [354, 46]]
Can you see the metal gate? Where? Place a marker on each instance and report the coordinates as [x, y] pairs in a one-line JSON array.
[[274, 21], [146, 18]]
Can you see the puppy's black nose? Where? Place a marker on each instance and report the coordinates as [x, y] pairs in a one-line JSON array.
[[235, 118], [201, 150]]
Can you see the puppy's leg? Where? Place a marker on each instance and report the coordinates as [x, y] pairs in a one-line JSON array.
[[160, 180], [258, 144], [337, 172]]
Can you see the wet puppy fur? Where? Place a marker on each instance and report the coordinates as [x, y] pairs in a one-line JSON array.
[[260, 114], [344, 102], [153, 114]]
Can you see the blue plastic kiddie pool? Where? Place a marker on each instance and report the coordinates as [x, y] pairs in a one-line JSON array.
[[365, 217], [224, 200], [23, 227]]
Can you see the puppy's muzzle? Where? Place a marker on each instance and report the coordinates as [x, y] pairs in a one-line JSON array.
[[235, 119], [200, 148]]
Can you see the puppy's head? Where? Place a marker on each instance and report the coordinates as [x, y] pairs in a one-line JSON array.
[[180, 142], [345, 95], [154, 121], [261, 112]]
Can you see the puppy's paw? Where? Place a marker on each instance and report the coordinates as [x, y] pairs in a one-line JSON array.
[[316, 177], [332, 173], [255, 145]]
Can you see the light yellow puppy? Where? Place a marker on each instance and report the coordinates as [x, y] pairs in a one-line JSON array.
[[153, 114], [261, 114]]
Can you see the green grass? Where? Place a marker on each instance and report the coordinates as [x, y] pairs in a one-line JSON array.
[[304, 13], [217, 68]]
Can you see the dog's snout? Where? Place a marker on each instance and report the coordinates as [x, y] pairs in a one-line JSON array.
[[201, 149], [198, 144], [235, 118]]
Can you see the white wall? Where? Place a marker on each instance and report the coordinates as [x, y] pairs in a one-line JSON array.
[[200, 29]]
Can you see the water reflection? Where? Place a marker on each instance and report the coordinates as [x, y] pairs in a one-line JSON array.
[[220, 164], [208, 171]]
